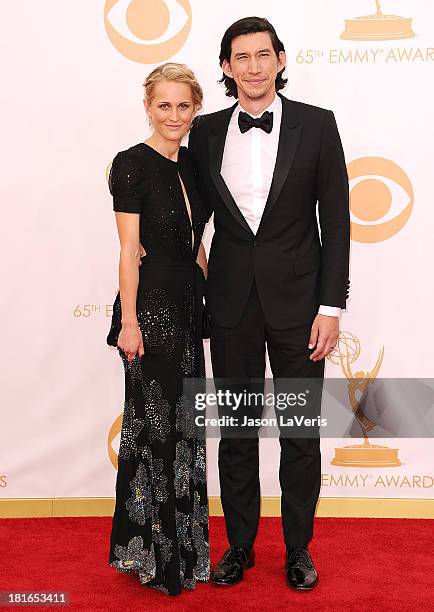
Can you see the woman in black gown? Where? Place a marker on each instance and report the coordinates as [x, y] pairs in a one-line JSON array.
[[160, 523]]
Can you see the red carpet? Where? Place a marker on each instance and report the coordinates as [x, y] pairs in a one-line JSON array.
[[364, 565]]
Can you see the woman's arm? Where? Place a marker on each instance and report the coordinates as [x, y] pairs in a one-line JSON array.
[[201, 260], [130, 338]]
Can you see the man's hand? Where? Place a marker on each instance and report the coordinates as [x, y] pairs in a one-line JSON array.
[[324, 335]]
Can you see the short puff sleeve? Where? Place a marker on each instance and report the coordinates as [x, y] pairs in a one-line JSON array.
[[125, 183]]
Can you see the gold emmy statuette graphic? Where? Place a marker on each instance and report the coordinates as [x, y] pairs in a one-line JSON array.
[[378, 27], [360, 455]]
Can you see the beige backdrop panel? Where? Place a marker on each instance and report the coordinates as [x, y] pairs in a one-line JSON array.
[[71, 100]]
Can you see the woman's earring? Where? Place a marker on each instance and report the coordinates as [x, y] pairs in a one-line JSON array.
[[150, 122]]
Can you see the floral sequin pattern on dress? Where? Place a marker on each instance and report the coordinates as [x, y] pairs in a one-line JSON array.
[[139, 505], [199, 468], [159, 481], [132, 368], [183, 529], [182, 469], [134, 557], [188, 361], [131, 427], [158, 321], [199, 523], [185, 417], [156, 411], [165, 544]]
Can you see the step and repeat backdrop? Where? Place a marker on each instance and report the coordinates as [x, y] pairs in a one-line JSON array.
[[72, 94]]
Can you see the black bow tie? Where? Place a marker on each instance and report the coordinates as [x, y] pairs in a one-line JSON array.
[[265, 122]]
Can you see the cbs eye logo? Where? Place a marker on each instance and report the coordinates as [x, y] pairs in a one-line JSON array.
[[147, 31], [115, 430], [381, 198]]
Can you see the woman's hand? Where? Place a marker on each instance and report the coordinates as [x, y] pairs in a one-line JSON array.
[[130, 340]]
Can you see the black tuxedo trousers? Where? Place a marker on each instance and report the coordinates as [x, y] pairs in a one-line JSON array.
[[239, 353]]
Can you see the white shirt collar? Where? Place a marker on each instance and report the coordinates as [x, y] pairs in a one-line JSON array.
[[275, 106]]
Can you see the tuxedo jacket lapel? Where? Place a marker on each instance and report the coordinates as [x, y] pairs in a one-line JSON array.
[[289, 137], [216, 146]]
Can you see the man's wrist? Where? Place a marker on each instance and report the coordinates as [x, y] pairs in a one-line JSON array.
[[330, 311]]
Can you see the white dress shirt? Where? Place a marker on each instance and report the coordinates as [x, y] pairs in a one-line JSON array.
[[248, 166]]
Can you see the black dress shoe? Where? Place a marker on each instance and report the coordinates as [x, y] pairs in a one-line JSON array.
[[300, 570], [230, 569]]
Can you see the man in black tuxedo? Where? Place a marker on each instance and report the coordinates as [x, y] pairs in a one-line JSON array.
[[273, 282]]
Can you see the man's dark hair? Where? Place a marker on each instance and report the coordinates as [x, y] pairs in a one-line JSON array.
[[248, 25]]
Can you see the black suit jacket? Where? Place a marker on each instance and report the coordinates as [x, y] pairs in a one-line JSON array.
[[294, 269]]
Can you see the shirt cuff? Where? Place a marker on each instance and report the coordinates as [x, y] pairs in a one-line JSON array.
[[330, 311]]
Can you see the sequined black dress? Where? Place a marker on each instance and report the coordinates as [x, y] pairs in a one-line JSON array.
[[160, 523]]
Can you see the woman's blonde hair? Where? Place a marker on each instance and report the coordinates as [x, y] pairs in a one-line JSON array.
[[173, 72]]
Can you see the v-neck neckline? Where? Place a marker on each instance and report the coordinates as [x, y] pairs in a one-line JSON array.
[[187, 199]]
